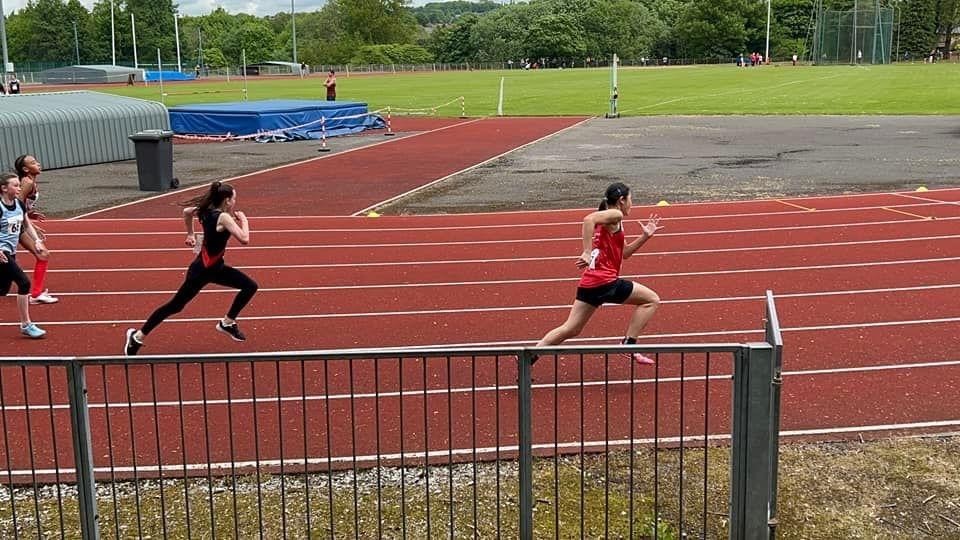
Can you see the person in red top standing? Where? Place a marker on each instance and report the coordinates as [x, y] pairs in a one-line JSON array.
[[331, 84], [604, 248]]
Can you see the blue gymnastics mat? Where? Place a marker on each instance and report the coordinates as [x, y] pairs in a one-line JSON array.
[[275, 119]]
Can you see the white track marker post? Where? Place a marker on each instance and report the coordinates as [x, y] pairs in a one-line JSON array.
[[614, 91], [500, 101], [160, 74], [244, 56], [176, 34], [133, 30]]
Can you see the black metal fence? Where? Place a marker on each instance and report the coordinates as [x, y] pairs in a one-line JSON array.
[[417, 443]]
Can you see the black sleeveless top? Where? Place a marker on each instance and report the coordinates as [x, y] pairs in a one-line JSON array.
[[214, 241]]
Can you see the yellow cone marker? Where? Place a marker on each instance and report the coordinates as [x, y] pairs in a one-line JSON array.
[[372, 214], [921, 189], [663, 203]]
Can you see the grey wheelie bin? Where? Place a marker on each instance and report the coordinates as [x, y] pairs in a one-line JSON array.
[[154, 150]]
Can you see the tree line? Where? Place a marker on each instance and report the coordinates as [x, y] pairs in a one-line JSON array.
[[390, 31]]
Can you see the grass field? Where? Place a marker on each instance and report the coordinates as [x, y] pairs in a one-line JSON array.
[[875, 90]]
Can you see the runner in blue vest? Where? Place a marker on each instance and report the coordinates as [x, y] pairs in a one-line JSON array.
[[14, 223]]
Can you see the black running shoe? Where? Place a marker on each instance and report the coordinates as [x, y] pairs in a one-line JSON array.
[[232, 330], [130, 344]]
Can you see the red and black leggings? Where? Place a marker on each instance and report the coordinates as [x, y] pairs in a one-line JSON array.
[[198, 277]]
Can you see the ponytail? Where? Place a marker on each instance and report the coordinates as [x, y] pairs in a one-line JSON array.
[[614, 193], [213, 198]]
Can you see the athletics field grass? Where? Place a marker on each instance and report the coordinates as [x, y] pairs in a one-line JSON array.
[[700, 90]]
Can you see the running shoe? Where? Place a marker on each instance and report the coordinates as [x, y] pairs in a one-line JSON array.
[[32, 331], [130, 344], [640, 359], [43, 298], [232, 330]]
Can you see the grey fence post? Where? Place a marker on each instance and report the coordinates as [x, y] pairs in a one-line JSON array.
[[83, 451], [750, 469], [775, 339], [525, 444]]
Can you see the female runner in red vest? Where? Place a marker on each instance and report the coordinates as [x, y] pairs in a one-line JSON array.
[[604, 249], [215, 210]]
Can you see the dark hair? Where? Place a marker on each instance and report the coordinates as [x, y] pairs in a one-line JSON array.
[[18, 165], [213, 198], [613, 194]]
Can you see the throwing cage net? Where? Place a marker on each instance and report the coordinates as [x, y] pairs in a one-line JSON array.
[[863, 35]]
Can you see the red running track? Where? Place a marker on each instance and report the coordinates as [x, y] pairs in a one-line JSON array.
[[866, 288], [350, 181]]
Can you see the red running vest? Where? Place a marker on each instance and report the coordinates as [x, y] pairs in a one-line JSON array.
[[605, 259]]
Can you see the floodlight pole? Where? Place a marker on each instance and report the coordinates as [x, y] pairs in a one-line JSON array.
[[176, 32], [293, 20], [767, 53], [3, 39], [113, 36], [76, 42], [133, 29]]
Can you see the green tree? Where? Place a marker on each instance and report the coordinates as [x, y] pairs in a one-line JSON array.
[[451, 43], [918, 27], [253, 36], [154, 24], [719, 28], [375, 21]]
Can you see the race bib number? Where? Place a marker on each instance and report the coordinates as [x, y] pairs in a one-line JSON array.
[[14, 226]]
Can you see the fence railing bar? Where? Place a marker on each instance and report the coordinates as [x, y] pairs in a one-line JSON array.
[[33, 476], [56, 456], [426, 440], [376, 424], [682, 425], [450, 445], [82, 453], [183, 448], [496, 430], [133, 450], [706, 447], [581, 438], [113, 477], [525, 442], [606, 447], [206, 424], [353, 451], [656, 446], [473, 440], [630, 508], [556, 453], [328, 429], [403, 464], [6, 455], [306, 450], [156, 427], [283, 475], [256, 448], [233, 457]]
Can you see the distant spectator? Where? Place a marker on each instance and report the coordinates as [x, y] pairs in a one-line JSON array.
[[794, 59], [859, 56], [303, 69], [196, 71], [331, 84], [13, 87]]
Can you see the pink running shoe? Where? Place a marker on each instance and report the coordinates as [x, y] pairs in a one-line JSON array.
[[640, 359]]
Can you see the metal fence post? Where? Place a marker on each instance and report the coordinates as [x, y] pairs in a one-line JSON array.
[[83, 451], [525, 442], [775, 339], [750, 469]]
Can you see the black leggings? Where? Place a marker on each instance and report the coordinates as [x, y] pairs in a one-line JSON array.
[[197, 278], [10, 272]]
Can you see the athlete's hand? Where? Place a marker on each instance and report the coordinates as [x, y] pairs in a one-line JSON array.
[[583, 260], [241, 217], [190, 240], [3, 257], [651, 226], [36, 216]]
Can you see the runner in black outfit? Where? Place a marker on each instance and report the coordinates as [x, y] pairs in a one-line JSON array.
[[215, 211]]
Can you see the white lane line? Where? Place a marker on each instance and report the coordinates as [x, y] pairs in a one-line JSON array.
[[767, 247], [270, 169], [541, 280], [461, 171], [811, 294], [540, 224]]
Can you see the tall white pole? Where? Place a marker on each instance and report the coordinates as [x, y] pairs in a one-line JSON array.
[[133, 28], [176, 33], [3, 39], [767, 53], [76, 42], [113, 37], [293, 20]]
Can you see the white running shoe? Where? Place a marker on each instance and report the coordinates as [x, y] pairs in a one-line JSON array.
[[43, 298]]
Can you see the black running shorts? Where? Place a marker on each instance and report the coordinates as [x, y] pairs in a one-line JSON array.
[[615, 292]]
